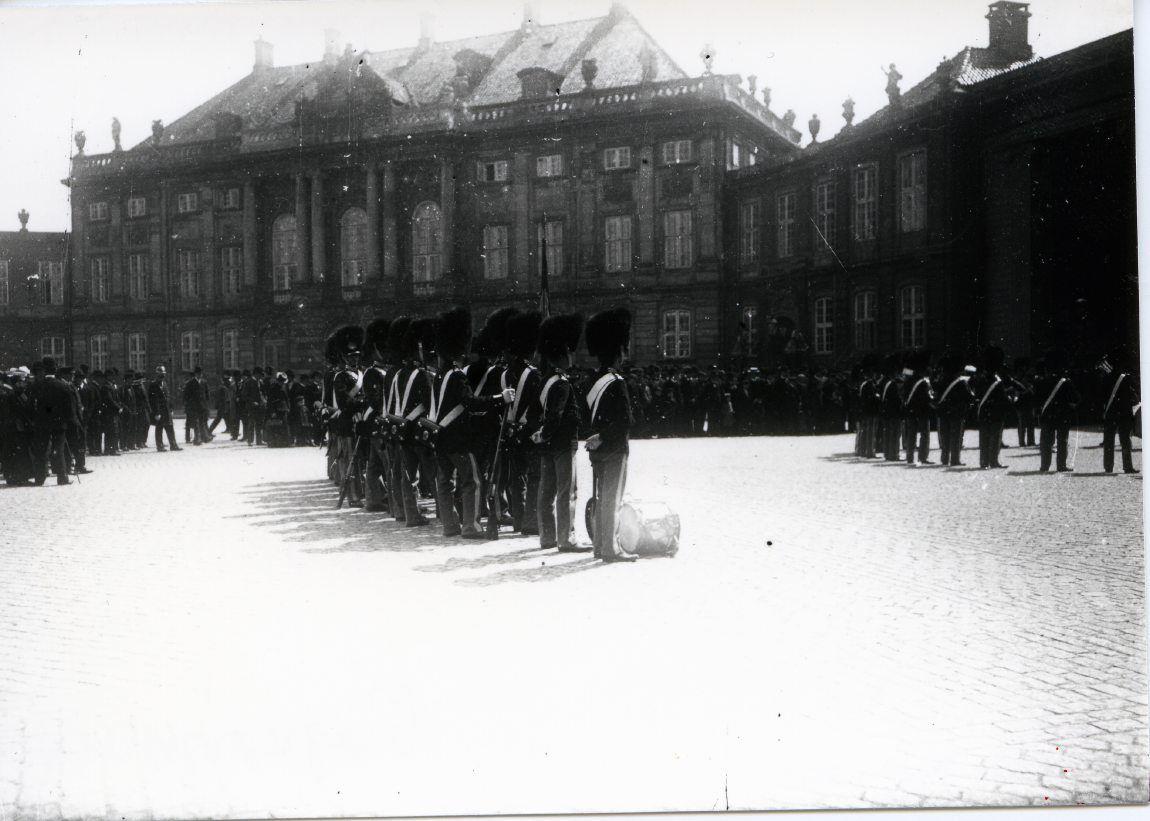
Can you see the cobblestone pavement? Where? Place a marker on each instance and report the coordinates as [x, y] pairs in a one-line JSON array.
[[202, 634]]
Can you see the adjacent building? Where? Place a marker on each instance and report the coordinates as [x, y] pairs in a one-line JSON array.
[[992, 202]]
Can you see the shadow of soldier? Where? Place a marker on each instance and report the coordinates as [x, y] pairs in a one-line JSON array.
[[543, 572]]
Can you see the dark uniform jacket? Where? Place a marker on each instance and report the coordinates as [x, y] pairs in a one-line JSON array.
[[560, 430], [452, 392], [869, 398], [919, 396], [890, 397], [612, 419], [1059, 410], [525, 411], [110, 404], [54, 405], [955, 398], [140, 391], [992, 400], [158, 401], [347, 400]]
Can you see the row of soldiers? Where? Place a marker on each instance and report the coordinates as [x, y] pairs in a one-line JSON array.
[[899, 398], [52, 418], [493, 432], [258, 406]]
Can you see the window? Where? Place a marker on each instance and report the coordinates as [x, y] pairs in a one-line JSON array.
[[494, 171], [677, 239], [98, 352], [736, 155], [617, 233], [53, 346], [912, 191], [748, 331], [749, 232], [231, 268], [137, 206], [549, 166], [554, 233], [97, 210], [99, 279], [138, 276], [187, 202], [866, 200], [676, 334], [618, 157], [230, 199], [676, 151], [426, 243], [284, 247], [51, 276], [865, 306], [230, 349], [824, 326], [825, 218], [495, 252], [188, 272], [3, 282], [138, 352], [785, 205], [913, 304], [353, 247], [189, 350]]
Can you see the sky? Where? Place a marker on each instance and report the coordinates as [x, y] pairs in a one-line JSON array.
[[67, 65]]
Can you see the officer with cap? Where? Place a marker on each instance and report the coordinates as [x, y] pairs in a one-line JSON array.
[[1119, 391]]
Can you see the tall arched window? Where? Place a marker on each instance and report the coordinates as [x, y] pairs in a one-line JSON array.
[[426, 243], [353, 246], [912, 301], [285, 241]]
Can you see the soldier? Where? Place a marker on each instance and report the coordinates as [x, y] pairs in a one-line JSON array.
[[76, 437], [869, 406], [345, 345], [161, 410], [917, 408], [90, 398], [276, 421], [1022, 394], [251, 402], [1056, 413], [144, 418], [1121, 397], [16, 435], [608, 335], [55, 414], [410, 401], [890, 398], [484, 375], [110, 409], [992, 409], [558, 437], [373, 425], [522, 464], [129, 418], [396, 383], [952, 406]]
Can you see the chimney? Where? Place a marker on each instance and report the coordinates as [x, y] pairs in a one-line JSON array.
[[263, 55], [331, 38], [426, 31], [1009, 36]]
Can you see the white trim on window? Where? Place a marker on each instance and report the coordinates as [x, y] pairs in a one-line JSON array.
[[677, 334], [912, 191], [97, 210], [674, 152], [138, 352], [616, 158], [786, 205], [495, 252], [865, 320], [912, 316], [137, 206], [678, 239], [549, 165], [190, 350], [750, 235], [187, 202], [824, 325], [493, 170], [865, 185]]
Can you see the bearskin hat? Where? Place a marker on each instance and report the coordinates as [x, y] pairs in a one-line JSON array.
[[375, 337], [485, 344], [496, 329], [523, 333], [608, 333], [950, 363], [419, 341], [397, 337], [559, 336], [344, 341], [993, 358], [453, 333]]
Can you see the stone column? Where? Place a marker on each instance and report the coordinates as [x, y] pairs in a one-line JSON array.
[[303, 250], [318, 241], [390, 254], [447, 208], [249, 234], [372, 222]]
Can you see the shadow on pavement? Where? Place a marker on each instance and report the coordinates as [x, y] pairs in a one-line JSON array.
[[541, 573]]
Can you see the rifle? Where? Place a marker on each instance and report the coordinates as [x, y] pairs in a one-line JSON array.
[[347, 474], [493, 511]]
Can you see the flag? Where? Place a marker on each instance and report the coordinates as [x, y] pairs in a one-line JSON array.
[[544, 296]]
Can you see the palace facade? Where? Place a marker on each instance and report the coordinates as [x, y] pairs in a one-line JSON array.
[[992, 202]]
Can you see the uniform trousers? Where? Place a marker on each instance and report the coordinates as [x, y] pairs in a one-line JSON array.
[[557, 494], [346, 459], [950, 430], [417, 463], [395, 481], [891, 430], [917, 427], [1049, 435], [1122, 427], [376, 475], [865, 436], [522, 468], [112, 433], [170, 428], [610, 477], [457, 472], [1025, 426], [78, 446], [49, 446], [989, 442]]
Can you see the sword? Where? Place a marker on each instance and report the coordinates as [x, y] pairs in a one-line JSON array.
[[68, 458], [493, 512], [347, 474]]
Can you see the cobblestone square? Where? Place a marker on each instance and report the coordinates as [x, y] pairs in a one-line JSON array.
[[203, 635]]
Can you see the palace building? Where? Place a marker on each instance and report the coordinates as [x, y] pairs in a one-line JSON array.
[[992, 202]]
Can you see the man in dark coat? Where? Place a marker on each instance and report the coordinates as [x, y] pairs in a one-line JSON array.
[[1119, 392], [252, 401], [558, 437], [372, 427], [55, 412], [890, 402], [917, 406], [139, 390], [413, 394], [110, 409], [161, 410], [523, 419], [608, 334], [993, 408], [77, 441], [346, 343], [1058, 402], [484, 375]]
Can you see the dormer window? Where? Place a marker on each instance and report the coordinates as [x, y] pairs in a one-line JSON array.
[[539, 82]]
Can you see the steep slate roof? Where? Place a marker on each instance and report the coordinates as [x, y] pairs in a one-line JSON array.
[[417, 77]]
